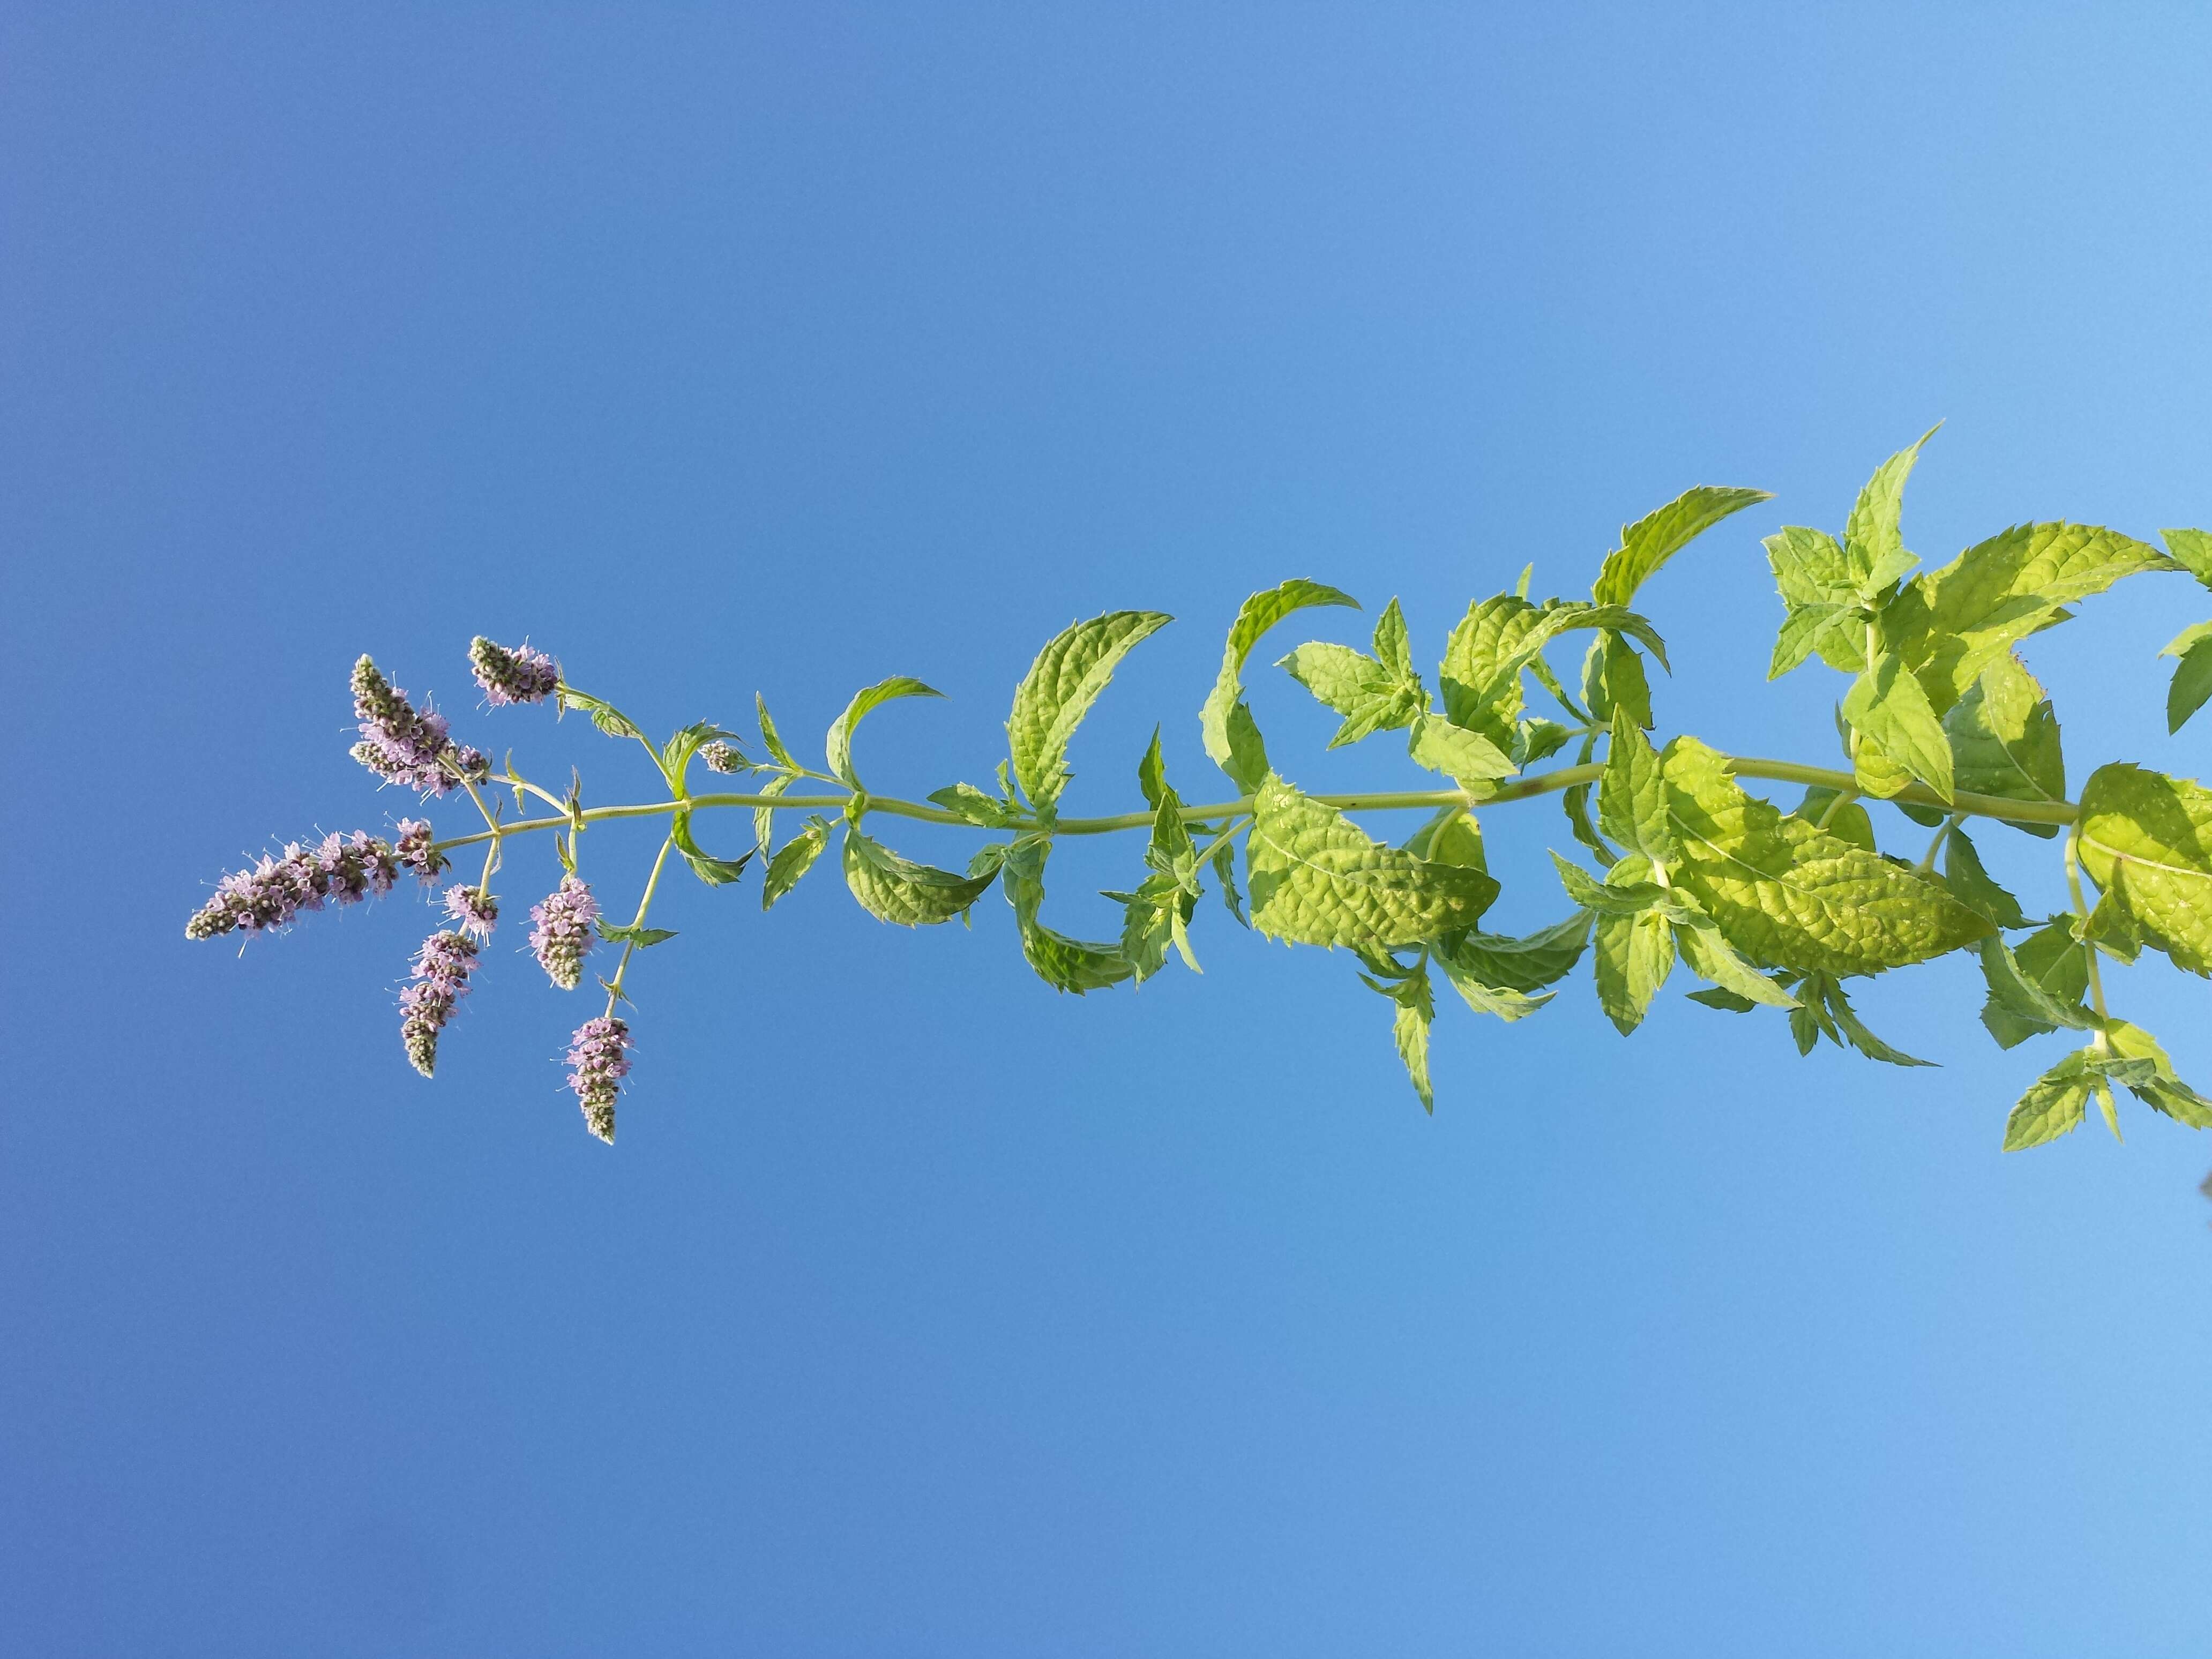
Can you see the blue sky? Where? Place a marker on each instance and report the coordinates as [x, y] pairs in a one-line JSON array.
[[920, 1310]]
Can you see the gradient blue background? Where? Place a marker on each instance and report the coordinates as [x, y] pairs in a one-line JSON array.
[[920, 1310]]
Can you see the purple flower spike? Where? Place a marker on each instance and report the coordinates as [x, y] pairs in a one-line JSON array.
[[342, 869], [415, 852], [404, 744], [520, 675], [563, 931], [441, 979], [598, 1059], [474, 909]]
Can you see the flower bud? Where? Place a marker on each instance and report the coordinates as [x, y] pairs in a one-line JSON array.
[[521, 675]]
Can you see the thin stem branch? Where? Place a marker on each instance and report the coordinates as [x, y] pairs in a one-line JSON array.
[[1927, 861], [644, 909], [1428, 801]]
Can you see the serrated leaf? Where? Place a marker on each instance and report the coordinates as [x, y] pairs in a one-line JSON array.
[[2159, 830], [1712, 957], [2005, 740], [629, 934], [793, 859], [1529, 963], [897, 890], [1503, 1002], [1224, 872], [2192, 676], [604, 714], [1318, 878], [1788, 895], [1871, 541], [1614, 680], [1232, 744], [839, 744], [2019, 1005], [1620, 894], [1058, 690], [1727, 1001], [1631, 797], [716, 872], [1659, 535], [2053, 1106], [985, 811], [1888, 706], [1950, 624], [1830, 992], [771, 739], [1575, 803], [1064, 964], [1846, 820], [1392, 649], [675, 753], [1451, 837], [1414, 1001], [1468, 758], [1371, 695], [1973, 886], [1632, 955], [2163, 1091], [1152, 772], [1499, 639], [2191, 551], [764, 817]]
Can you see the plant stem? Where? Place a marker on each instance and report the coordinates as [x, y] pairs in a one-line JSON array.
[[644, 909], [1964, 803], [1927, 862]]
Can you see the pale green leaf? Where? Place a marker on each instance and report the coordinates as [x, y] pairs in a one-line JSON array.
[[1527, 964], [1392, 649], [793, 859], [1659, 535], [1843, 818], [1632, 955], [2192, 678], [770, 738], [1710, 957], [1890, 707], [895, 888], [1830, 992], [839, 744], [1872, 543], [1788, 895], [1973, 886], [2053, 1106], [1058, 691], [1451, 837], [1233, 745], [2005, 740], [984, 811], [1631, 797], [1466, 758], [2154, 833], [764, 817], [1318, 878], [2192, 550]]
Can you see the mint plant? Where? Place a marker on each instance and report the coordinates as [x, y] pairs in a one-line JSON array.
[[1770, 908]]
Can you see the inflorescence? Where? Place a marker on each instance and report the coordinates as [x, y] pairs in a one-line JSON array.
[[1771, 907]]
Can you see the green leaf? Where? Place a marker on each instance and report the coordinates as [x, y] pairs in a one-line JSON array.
[[1788, 895], [1659, 535], [2019, 1005], [2052, 1107], [1416, 1009], [1622, 893], [1504, 1002], [605, 716], [1633, 956], [1727, 1001], [1234, 744], [771, 739], [1830, 992], [2159, 830], [1468, 758], [839, 744], [1887, 705], [895, 888], [629, 934], [1371, 695], [716, 872], [1224, 872], [1542, 959], [2162, 1091], [1846, 820], [1950, 624], [1392, 649], [1614, 680], [1058, 691], [1152, 772], [2192, 677], [764, 817], [2192, 551], [1318, 878], [2005, 740], [1500, 639], [793, 859], [1973, 886], [1871, 543], [985, 811], [1710, 957], [1451, 837], [1631, 797], [1064, 963]]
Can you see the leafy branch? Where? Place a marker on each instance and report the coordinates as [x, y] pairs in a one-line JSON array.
[[1679, 867]]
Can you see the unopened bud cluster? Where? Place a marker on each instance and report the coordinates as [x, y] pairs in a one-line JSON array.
[[724, 757], [509, 676], [561, 931], [414, 849]]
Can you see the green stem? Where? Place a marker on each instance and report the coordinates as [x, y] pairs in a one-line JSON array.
[[1964, 802], [644, 909], [1927, 862], [2081, 909]]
